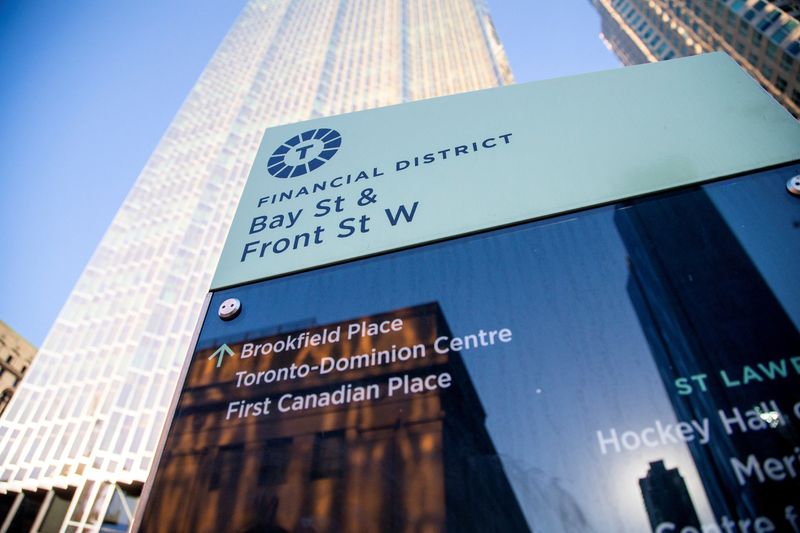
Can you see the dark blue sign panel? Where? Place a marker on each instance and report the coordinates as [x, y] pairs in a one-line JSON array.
[[634, 367]]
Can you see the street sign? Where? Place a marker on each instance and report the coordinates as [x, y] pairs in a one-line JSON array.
[[336, 188], [632, 364]]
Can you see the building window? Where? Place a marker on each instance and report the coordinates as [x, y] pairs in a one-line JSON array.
[[780, 83], [744, 27], [274, 462], [767, 71], [228, 468], [784, 30], [756, 39], [57, 512], [6, 503], [120, 511], [786, 61], [772, 50], [329, 455], [796, 97], [27, 511], [779, 35], [768, 20]]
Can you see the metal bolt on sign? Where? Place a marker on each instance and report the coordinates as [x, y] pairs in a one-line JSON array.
[[793, 185], [229, 309]]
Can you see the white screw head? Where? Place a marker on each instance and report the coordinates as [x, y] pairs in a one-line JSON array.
[[793, 185], [229, 309]]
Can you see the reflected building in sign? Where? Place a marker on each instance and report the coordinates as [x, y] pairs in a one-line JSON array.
[[666, 498], [707, 311], [370, 460], [88, 418]]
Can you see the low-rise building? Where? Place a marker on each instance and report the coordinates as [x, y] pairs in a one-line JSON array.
[[16, 355]]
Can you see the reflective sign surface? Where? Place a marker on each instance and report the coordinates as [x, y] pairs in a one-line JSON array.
[[634, 367]]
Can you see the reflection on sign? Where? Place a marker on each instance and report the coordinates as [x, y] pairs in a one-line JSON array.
[[365, 425], [709, 315], [642, 376]]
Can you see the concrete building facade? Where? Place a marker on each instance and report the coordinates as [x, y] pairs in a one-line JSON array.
[[16, 356]]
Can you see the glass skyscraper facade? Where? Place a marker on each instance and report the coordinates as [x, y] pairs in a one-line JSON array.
[[763, 36], [78, 438]]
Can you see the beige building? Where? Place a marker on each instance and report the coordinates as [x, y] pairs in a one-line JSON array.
[[16, 355], [763, 36]]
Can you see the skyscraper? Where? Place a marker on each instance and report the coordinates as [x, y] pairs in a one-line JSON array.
[[763, 36], [85, 424], [666, 498]]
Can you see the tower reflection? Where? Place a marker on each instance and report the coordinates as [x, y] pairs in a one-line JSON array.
[[666, 498], [706, 309]]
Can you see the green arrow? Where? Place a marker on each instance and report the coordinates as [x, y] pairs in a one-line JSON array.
[[220, 354]]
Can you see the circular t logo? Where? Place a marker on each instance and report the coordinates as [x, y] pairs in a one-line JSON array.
[[303, 153]]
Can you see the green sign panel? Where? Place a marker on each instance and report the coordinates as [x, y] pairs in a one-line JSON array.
[[342, 187]]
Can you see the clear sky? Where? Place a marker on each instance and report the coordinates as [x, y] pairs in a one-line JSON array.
[[88, 88]]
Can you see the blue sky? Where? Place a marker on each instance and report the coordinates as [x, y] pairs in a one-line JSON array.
[[89, 88]]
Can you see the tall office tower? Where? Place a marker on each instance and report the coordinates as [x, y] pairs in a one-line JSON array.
[[763, 36], [78, 438]]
